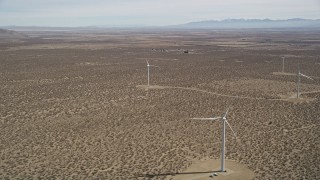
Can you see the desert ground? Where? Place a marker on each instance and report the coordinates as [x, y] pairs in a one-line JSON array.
[[75, 105]]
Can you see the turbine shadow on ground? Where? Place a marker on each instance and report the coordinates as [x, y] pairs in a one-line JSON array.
[[174, 174]]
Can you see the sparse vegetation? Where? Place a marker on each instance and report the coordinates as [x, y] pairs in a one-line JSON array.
[[70, 106]]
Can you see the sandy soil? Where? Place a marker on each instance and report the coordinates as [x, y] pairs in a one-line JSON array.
[[75, 104], [203, 169], [284, 74]]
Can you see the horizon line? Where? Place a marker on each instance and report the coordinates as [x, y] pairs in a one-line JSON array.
[[159, 26]]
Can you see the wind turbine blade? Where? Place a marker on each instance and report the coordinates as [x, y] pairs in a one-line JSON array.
[[147, 62], [231, 129], [215, 118], [306, 76], [226, 113], [155, 66]]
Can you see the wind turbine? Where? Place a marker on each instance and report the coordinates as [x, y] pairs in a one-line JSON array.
[[298, 81], [148, 66], [224, 121]]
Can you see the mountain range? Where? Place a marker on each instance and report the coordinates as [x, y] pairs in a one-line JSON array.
[[252, 23], [210, 24]]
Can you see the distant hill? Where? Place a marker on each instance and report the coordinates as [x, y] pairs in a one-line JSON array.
[[252, 23], [9, 34], [210, 24]]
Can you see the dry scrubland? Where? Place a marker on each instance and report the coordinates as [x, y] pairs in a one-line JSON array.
[[71, 108]]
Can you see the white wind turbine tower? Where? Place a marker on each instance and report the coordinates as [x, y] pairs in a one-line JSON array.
[[298, 81], [224, 121], [148, 66]]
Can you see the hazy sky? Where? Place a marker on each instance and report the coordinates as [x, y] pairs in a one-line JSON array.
[[148, 12]]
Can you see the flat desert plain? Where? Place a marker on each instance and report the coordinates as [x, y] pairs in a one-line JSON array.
[[76, 105]]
